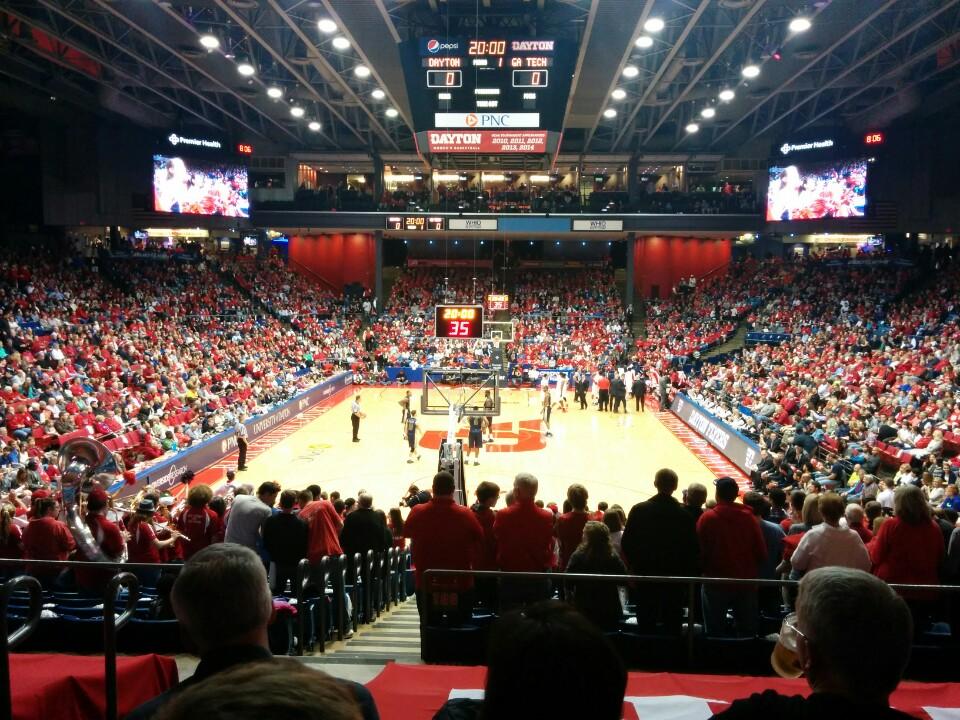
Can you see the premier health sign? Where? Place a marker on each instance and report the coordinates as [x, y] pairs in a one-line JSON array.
[[737, 448]]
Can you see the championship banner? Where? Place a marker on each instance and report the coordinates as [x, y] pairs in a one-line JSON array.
[[416, 692], [487, 141]]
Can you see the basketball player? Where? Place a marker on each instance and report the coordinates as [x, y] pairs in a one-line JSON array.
[[545, 409], [405, 407], [355, 415], [412, 427], [475, 441], [488, 407]]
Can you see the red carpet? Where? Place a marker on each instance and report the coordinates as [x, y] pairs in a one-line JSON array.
[[415, 692], [70, 687]]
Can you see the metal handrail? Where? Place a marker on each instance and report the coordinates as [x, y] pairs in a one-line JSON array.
[[7, 642], [112, 623]]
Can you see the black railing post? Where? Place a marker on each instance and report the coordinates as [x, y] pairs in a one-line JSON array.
[[8, 642], [302, 578], [112, 623], [691, 634]]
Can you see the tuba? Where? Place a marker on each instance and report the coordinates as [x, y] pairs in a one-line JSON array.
[[79, 461]]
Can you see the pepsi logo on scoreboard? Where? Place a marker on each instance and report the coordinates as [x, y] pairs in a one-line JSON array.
[[432, 46]]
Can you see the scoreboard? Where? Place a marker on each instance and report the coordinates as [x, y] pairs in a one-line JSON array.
[[458, 321], [491, 95]]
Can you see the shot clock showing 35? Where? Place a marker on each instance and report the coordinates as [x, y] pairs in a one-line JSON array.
[[459, 321]]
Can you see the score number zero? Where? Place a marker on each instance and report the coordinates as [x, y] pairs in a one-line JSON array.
[[531, 78], [444, 78]]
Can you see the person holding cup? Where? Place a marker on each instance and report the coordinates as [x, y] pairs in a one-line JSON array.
[[839, 612]]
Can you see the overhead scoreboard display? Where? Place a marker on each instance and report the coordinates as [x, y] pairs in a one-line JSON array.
[[459, 321], [414, 222], [491, 95]]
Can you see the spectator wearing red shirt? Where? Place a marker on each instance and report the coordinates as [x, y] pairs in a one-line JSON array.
[[570, 525], [603, 392], [524, 535], [108, 538], [445, 536], [731, 546], [144, 546], [324, 524], [908, 548], [46, 538], [855, 521], [198, 524]]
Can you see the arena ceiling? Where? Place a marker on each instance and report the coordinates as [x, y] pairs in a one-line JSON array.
[[639, 88]]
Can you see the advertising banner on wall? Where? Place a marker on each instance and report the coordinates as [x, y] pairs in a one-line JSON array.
[[737, 448], [165, 475]]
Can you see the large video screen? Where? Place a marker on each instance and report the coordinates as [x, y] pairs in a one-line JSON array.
[[812, 191], [200, 187]]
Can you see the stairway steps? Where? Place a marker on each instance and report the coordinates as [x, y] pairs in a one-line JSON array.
[[395, 637]]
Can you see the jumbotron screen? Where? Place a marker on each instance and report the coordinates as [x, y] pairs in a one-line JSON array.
[[194, 186], [493, 95], [813, 191]]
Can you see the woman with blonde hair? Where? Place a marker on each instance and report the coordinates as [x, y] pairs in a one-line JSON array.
[[600, 602]]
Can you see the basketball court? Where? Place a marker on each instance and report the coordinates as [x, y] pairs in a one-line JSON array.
[[614, 456]]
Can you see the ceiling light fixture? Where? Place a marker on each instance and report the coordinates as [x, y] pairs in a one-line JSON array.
[[391, 112], [326, 25], [210, 41], [750, 71], [654, 25], [378, 94], [708, 112], [245, 68], [800, 24], [341, 43], [297, 111], [314, 125], [275, 92], [644, 41], [618, 94], [361, 71], [609, 113], [692, 128], [726, 95], [631, 71]]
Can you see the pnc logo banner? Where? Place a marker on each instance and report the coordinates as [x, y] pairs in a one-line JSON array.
[[487, 120]]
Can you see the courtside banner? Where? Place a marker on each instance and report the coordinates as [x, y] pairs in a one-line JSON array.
[[416, 692], [165, 475], [737, 448]]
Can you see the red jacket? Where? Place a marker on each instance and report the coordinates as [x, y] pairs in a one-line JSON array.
[[444, 536], [201, 526], [47, 538], [570, 532], [524, 536], [324, 525], [905, 553], [731, 543]]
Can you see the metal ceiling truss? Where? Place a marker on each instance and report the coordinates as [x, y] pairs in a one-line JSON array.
[[130, 74], [289, 59], [148, 63], [884, 53]]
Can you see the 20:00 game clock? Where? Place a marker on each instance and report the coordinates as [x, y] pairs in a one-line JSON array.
[[459, 321]]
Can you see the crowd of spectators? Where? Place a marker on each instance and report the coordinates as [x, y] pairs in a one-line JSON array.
[[163, 353]]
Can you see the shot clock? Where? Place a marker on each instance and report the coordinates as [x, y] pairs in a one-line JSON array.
[[459, 321]]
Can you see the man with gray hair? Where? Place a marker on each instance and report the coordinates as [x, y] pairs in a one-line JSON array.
[[524, 534], [840, 611], [223, 603]]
